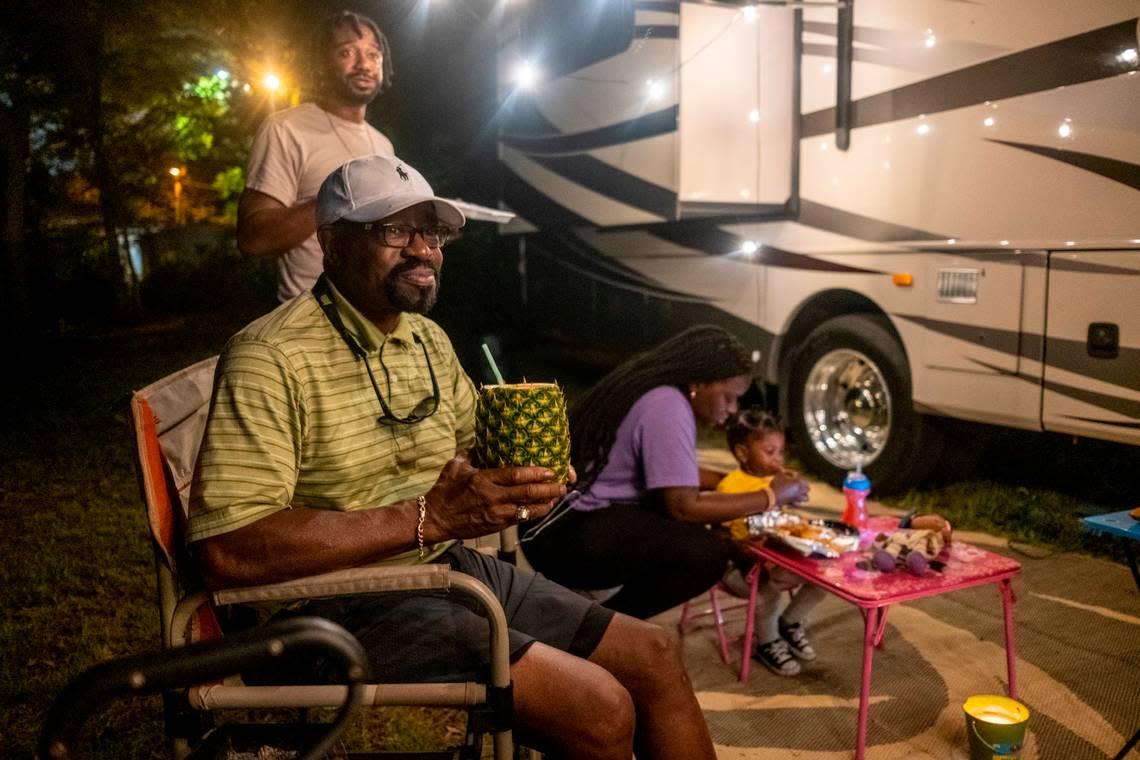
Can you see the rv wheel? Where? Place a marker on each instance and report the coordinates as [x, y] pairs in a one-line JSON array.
[[849, 402]]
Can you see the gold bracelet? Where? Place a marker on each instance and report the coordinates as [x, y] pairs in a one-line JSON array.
[[421, 501], [771, 497]]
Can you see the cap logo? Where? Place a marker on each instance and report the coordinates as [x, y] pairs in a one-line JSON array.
[[403, 174]]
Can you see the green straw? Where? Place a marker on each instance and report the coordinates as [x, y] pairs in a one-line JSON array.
[[494, 367]]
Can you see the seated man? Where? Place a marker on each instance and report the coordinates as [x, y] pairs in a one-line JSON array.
[[332, 442]]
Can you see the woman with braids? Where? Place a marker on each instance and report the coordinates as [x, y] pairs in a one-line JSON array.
[[637, 519]]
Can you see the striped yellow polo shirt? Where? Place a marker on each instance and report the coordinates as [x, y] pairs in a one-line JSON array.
[[293, 421]]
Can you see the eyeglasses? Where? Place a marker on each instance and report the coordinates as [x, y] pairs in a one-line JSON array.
[[400, 235], [424, 409]]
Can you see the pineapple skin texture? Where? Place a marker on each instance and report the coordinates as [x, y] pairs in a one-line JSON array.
[[523, 425]]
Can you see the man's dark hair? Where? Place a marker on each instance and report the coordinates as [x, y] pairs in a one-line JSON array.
[[749, 424], [357, 22], [700, 354]]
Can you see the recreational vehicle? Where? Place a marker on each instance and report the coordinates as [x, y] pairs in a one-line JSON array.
[[908, 210]]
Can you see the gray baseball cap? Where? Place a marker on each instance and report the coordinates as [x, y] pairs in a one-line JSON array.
[[371, 188]]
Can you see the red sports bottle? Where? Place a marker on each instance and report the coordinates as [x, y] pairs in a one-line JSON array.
[[856, 486]]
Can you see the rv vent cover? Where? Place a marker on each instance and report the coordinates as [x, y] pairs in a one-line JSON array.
[[958, 285]]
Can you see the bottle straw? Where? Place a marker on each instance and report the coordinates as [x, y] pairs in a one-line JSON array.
[[494, 367]]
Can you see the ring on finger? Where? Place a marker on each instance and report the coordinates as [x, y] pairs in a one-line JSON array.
[[522, 514]]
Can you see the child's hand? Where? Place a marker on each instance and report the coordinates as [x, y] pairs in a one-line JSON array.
[[790, 488]]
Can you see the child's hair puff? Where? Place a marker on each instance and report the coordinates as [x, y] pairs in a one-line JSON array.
[[749, 424]]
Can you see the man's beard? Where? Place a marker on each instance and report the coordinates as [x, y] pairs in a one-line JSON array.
[[406, 296], [349, 94]]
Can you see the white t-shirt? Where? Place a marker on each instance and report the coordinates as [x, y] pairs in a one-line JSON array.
[[293, 152]]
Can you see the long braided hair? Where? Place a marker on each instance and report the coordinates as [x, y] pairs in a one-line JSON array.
[[700, 354]]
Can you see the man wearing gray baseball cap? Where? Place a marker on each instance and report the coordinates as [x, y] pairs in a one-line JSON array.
[[337, 437]]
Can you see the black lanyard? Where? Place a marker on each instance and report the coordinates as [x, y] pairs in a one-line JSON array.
[[429, 405]]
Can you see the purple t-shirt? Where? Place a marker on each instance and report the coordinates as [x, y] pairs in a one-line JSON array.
[[655, 447]]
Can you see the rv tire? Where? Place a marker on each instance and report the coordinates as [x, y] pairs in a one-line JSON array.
[[849, 398]]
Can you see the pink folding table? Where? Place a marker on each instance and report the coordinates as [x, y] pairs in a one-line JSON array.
[[874, 592]]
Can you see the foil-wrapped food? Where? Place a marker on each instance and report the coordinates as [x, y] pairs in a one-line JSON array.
[[808, 536]]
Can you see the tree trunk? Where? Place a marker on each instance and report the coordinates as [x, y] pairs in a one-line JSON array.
[[110, 204], [15, 124]]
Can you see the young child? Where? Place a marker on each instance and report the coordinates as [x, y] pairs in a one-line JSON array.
[[756, 439]]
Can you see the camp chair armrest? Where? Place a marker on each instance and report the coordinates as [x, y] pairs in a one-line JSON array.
[[369, 580], [357, 580]]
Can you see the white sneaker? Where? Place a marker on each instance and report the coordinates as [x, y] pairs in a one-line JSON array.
[[777, 658]]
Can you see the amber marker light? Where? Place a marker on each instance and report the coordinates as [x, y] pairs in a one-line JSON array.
[[902, 279]]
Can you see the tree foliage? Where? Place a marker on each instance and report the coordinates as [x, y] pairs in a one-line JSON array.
[[100, 98]]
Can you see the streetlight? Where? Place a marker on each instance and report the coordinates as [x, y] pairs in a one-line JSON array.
[[177, 173], [272, 83], [526, 75]]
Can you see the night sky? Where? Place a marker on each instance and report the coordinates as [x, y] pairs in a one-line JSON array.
[[444, 89]]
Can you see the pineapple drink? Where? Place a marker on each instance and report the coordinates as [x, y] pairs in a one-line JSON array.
[[523, 424]]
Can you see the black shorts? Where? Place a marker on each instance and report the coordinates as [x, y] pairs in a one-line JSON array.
[[441, 636]]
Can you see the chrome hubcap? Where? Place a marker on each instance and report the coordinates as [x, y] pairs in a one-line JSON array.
[[847, 408]]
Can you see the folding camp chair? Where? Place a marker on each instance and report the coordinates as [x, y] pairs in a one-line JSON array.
[[168, 419], [168, 669]]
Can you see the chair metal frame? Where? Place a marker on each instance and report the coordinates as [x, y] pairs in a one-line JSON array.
[[169, 669], [717, 611], [168, 420]]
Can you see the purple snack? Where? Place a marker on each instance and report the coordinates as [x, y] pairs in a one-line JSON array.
[[916, 563], [883, 561]]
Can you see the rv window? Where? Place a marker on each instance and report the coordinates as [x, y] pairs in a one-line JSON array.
[[739, 110], [567, 36]]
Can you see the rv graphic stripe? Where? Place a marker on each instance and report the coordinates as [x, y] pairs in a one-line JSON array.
[[857, 226], [1073, 356], [707, 237], [1072, 60], [535, 207], [1090, 267], [650, 125], [1034, 259], [612, 182], [862, 55], [990, 256], [1120, 171], [1123, 406], [631, 287], [575, 254], [894, 38], [1066, 355], [1005, 341]]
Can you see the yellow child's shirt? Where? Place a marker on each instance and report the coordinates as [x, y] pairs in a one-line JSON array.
[[739, 481]]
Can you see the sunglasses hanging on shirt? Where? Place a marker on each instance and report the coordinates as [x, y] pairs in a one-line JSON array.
[[425, 408]]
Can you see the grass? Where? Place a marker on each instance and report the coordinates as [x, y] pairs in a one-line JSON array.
[[77, 584], [1034, 489], [76, 581]]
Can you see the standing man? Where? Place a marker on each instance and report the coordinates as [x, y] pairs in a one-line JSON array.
[[297, 148], [332, 442]]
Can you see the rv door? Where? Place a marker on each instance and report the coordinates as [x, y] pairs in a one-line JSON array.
[[1092, 346]]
